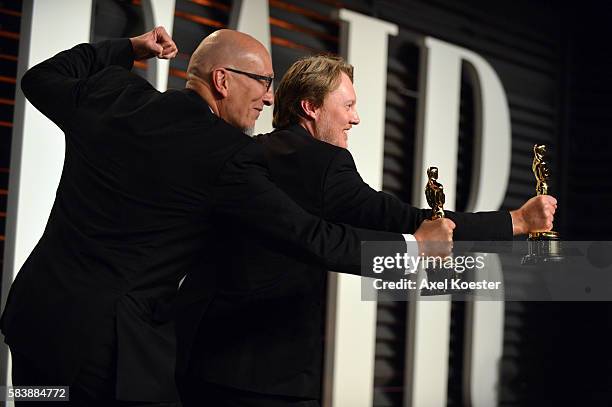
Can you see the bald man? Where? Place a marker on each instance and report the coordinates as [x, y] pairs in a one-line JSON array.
[[212, 69], [147, 179]]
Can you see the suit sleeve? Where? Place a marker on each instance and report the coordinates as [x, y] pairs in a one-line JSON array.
[[348, 199], [54, 85], [481, 226], [245, 194]]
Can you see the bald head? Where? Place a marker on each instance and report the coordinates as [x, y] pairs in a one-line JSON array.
[[225, 48], [232, 72]]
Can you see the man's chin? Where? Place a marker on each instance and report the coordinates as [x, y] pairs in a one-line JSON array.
[[341, 142]]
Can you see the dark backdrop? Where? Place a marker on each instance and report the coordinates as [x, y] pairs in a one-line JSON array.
[[554, 61]]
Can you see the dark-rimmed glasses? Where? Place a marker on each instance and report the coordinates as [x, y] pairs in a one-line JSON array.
[[267, 80]]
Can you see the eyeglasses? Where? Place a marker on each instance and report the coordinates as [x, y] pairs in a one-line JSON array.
[[267, 80]]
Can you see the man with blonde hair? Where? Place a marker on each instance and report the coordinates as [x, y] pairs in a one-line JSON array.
[[304, 90], [316, 106], [268, 321]]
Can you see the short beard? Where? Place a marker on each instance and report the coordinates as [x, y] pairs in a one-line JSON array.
[[326, 134], [249, 131]]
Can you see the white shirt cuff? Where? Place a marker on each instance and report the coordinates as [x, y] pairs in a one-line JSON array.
[[409, 238], [412, 248]]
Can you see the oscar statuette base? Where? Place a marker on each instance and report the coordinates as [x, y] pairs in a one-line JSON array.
[[543, 247]]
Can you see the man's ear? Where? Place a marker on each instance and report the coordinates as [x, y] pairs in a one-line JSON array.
[[309, 109], [219, 82]]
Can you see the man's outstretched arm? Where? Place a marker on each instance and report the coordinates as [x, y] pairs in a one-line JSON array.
[[349, 199], [245, 193]]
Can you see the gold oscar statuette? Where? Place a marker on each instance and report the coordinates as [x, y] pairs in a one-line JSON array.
[[542, 246], [434, 192]]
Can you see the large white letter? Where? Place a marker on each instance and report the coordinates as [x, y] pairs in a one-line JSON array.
[[437, 145], [484, 341], [252, 17], [158, 12], [351, 378], [438, 129], [37, 151]]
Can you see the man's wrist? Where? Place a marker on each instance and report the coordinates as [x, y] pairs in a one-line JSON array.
[[519, 226], [137, 49], [133, 47]]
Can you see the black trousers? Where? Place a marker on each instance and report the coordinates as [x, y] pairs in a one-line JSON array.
[[94, 385], [197, 393]]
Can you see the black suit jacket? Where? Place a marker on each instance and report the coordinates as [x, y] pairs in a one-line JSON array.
[[146, 176], [263, 330]]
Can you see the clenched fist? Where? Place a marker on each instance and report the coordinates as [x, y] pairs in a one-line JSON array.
[[155, 43], [435, 237], [536, 215]]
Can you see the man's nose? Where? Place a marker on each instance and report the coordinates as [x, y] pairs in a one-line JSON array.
[[355, 120], [268, 97]]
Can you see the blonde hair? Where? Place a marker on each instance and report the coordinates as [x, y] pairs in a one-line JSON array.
[[311, 78]]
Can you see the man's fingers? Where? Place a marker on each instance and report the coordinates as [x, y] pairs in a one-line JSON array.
[[161, 35], [536, 215], [167, 46], [545, 199], [547, 207], [548, 210], [169, 55], [170, 51], [450, 223], [159, 50]]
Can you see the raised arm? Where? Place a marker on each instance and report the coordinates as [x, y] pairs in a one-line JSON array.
[[54, 85]]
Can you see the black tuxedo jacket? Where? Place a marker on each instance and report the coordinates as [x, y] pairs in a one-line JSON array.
[[263, 330], [147, 178]]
